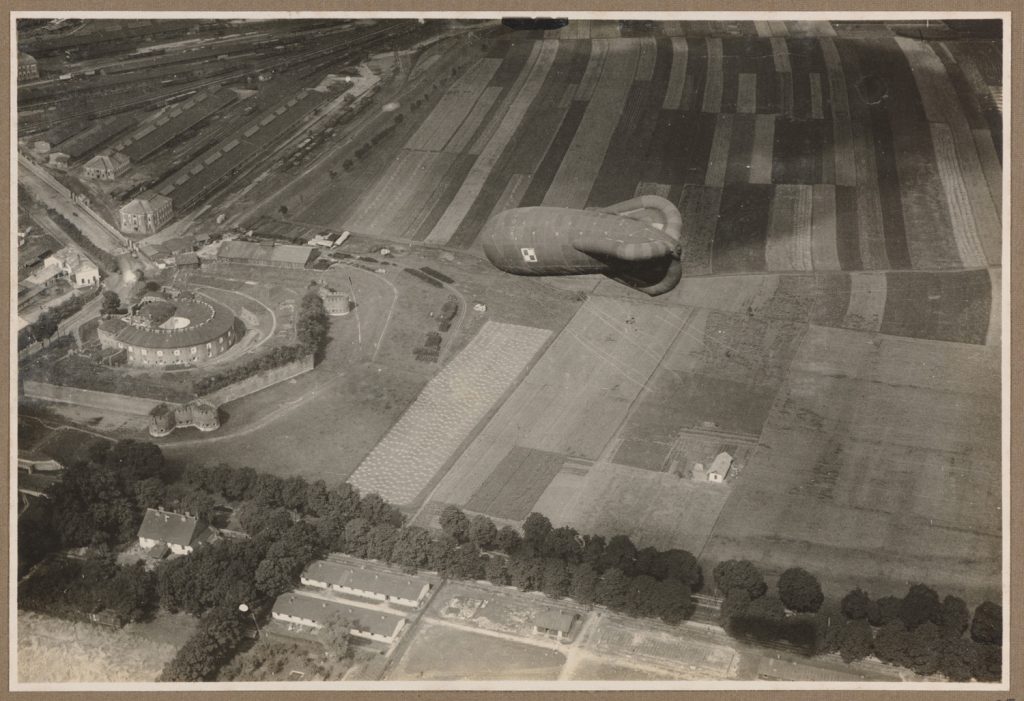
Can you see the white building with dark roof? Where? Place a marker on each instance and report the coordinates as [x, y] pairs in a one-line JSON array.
[[404, 590], [180, 533], [313, 612], [106, 166], [554, 622], [146, 214]]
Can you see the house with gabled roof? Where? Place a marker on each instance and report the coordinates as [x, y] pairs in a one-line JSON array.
[[166, 530]]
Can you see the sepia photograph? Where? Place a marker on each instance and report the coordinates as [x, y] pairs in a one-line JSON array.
[[420, 351]]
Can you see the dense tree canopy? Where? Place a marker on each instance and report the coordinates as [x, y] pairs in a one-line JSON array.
[[987, 626], [800, 590], [739, 574]]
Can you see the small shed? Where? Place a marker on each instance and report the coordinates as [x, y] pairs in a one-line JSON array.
[[555, 622], [719, 469]]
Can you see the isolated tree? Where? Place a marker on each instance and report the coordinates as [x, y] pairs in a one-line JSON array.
[[987, 626], [454, 523], [800, 590], [855, 604], [855, 639], [111, 303], [347, 164], [283, 210], [739, 574], [921, 604], [483, 532], [536, 528]]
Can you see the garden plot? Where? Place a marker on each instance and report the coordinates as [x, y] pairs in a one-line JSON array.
[[879, 464], [446, 411], [517, 481]]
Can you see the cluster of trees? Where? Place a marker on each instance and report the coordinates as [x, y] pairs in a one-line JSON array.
[[46, 325], [111, 303], [918, 631], [214, 643], [71, 588], [560, 562], [99, 501], [106, 261], [312, 324]]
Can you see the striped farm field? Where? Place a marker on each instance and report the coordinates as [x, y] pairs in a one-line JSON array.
[[446, 411], [821, 148]]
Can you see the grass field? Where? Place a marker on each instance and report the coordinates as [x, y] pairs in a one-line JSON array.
[[439, 652], [879, 464], [54, 651]]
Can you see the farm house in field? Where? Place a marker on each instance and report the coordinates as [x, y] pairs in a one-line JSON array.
[[382, 586], [314, 612], [720, 467], [250, 253], [555, 622]]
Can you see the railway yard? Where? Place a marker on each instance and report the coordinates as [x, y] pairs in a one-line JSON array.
[[837, 330]]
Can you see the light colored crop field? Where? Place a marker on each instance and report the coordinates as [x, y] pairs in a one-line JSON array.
[[869, 205], [824, 251], [746, 97], [761, 154], [390, 192], [400, 218], [541, 60], [942, 105], [652, 508], [54, 651], [440, 652], [713, 87], [842, 131], [592, 74], [446, 411], [961, 212], [788, 246], [576, 395], [677, 74], [646, 59], [463, 137], [454, 107], [575, 177], [879, 465], [867, 302], [719, 158]]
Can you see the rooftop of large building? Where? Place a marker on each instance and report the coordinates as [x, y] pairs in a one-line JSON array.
[[263, 252], [169, 527], [319, 611], [171, 324], [386, 583]]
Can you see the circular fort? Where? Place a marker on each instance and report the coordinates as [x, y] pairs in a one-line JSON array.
[[171, 327]]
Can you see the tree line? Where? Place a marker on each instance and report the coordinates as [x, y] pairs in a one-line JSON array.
[[918, 631]]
